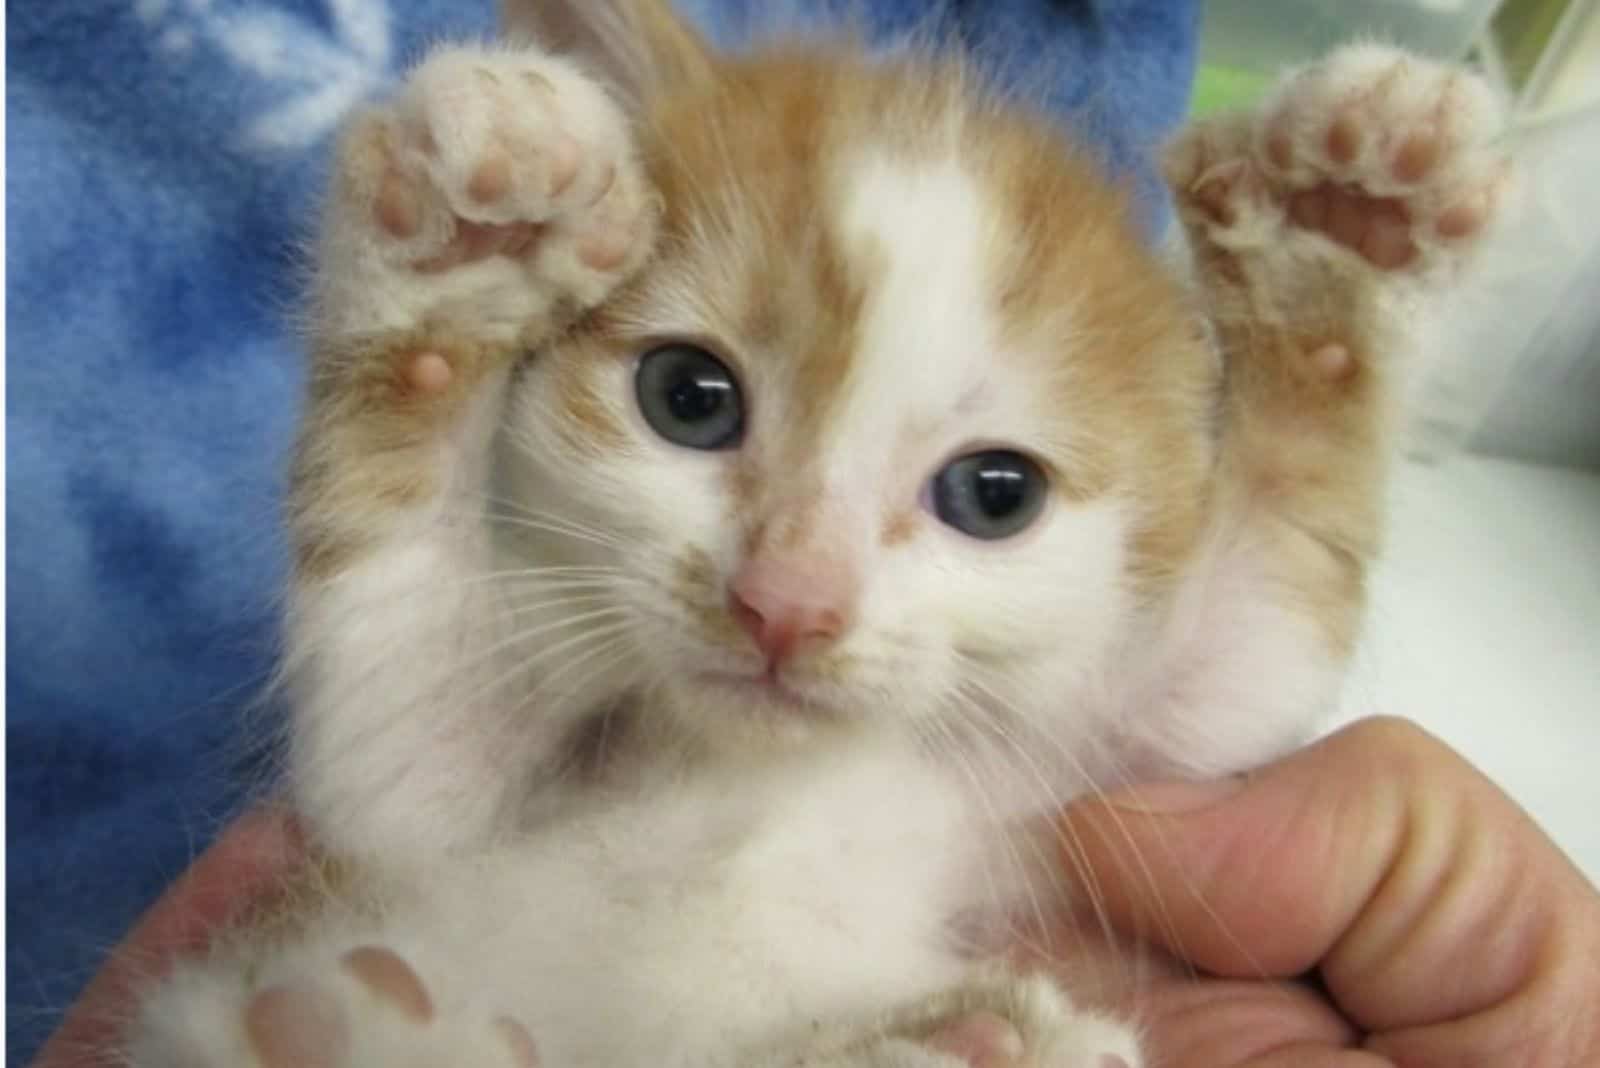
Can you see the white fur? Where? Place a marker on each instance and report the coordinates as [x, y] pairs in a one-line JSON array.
[[703, 923], [696, 909], [1234, 678], [934, 382]]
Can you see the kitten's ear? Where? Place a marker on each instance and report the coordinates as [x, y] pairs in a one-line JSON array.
[[638, 46]]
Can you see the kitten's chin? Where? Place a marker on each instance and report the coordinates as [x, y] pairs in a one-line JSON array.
[[750, 709], [766, 695]]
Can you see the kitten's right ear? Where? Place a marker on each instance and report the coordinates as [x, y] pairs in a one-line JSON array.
[[639, 47]]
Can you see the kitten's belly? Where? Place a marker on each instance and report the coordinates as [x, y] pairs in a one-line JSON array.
[[721, 916]]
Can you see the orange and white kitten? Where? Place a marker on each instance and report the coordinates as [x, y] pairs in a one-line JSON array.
[[740, 498]]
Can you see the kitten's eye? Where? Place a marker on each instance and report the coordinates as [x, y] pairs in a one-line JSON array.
[[989, 495], [689, 397]]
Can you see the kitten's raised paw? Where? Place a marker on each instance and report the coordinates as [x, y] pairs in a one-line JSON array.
[[1376, 151], [368, 1008], [497, 187]]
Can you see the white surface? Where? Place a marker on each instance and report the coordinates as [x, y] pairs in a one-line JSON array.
[[1521, 346], [1485, 628]]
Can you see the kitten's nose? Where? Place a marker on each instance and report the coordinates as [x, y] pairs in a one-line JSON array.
[[787, 604]]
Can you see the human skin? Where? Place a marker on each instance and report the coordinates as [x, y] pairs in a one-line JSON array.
[[1371, 900], [245, 866]]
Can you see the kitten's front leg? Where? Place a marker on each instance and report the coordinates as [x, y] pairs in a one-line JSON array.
[[496, 198], [1324, 226]]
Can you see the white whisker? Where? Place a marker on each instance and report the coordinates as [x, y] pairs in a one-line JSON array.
[[977, 715]]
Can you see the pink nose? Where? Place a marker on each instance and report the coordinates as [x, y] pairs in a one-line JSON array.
[[784, 605]]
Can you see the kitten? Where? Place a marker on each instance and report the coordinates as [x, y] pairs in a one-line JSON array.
[[741, 498]]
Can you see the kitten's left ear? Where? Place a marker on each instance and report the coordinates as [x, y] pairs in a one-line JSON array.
[[640, 47]]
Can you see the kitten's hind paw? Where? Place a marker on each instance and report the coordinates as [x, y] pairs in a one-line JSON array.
[[368, 1008], [1008, 1022]]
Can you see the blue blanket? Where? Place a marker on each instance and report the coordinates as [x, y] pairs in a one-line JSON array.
[[164, 156]]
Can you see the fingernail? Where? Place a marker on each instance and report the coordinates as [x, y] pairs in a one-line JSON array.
[[1176, 798]]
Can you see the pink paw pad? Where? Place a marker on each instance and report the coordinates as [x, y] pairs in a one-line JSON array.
[[296, 1027], [1417, 157], [1377, 227], [390, 979], [982, 1039], [1332, 362], [394, 1021], [398, 207], [518, 1042], [429, 373]]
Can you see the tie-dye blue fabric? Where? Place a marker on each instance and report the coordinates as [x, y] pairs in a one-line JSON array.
[[164, 157]]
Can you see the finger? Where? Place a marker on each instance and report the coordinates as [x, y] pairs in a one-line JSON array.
[[248, 860], [1440, 919], [1188, 1020], [1298, 1056], [1225, 1023]]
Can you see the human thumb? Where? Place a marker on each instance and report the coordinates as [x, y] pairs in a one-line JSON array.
[[1439, 919]]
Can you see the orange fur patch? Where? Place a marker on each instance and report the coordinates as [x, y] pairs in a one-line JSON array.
[[747, 160]]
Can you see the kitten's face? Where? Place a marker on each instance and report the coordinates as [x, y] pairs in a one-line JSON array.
[[900, 422]]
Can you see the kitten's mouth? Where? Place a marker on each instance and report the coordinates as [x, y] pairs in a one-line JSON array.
[[767, 689]]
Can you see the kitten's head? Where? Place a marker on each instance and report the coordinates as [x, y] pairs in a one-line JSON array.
[[900, 422]]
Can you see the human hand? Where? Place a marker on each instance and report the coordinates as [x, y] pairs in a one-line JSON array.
[[1440, 926], [244, 866]]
